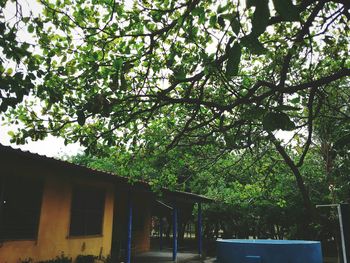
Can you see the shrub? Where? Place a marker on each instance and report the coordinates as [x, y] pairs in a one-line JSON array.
[[59, 259], [107, 259], [85, 259]]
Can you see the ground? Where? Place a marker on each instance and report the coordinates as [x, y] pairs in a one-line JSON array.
[[166, 256]]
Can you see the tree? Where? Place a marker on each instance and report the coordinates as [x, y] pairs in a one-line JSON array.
[[332, 137], [229, 73], [255, 190]]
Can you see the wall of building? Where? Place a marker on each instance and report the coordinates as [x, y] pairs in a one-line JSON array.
[[142, 223], [53, 234]]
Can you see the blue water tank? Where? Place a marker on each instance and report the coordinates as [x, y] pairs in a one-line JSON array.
[[268, 251]]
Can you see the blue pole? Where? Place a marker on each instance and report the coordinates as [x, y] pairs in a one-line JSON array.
[[200, 229], [161, 233], [128, 248], [174, 232]]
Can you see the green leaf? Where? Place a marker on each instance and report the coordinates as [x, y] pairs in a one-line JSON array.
[[31, 28], [228, 17], [230, 140], [254, 113], [222, 9], [342, 142], [198, 11], [123, 83], [234, 58], [2, 28], [118, 63], [235, 25], [252, 43], [329, 40], [81, 117], [3, 106], [286, 108], [221, 21], [286, 10], [179, 73], [9, 71], [26, 19], [11, 134], [295, 100], [261, 17], [277, 121], [212, 21]]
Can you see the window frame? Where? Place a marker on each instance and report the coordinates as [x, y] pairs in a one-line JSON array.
[[100, 189], [40, 182]]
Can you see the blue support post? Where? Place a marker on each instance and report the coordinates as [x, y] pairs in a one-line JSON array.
[[200, 229], [161, 233], [128, 247], [174, 232]]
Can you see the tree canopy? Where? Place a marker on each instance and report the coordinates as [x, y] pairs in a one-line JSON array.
[[229, 73], [255, 190], [232, 69]]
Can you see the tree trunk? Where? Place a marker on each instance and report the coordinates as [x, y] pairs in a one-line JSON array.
[[309, 207], [311, 215]]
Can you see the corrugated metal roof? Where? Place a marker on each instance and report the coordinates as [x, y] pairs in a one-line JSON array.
[[100, 174]]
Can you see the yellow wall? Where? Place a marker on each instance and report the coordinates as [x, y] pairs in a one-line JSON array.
[[54, 223]]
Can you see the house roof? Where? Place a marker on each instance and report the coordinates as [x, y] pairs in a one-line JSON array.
[[83, 170]]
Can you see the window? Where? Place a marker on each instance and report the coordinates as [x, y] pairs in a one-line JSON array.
[[20, 204], [87, 211]]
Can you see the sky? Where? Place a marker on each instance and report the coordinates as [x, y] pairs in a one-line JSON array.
[[51, 146]]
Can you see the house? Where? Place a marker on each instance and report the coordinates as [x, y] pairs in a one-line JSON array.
[[50, 207]]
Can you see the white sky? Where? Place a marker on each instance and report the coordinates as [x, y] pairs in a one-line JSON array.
[[51, 146]]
